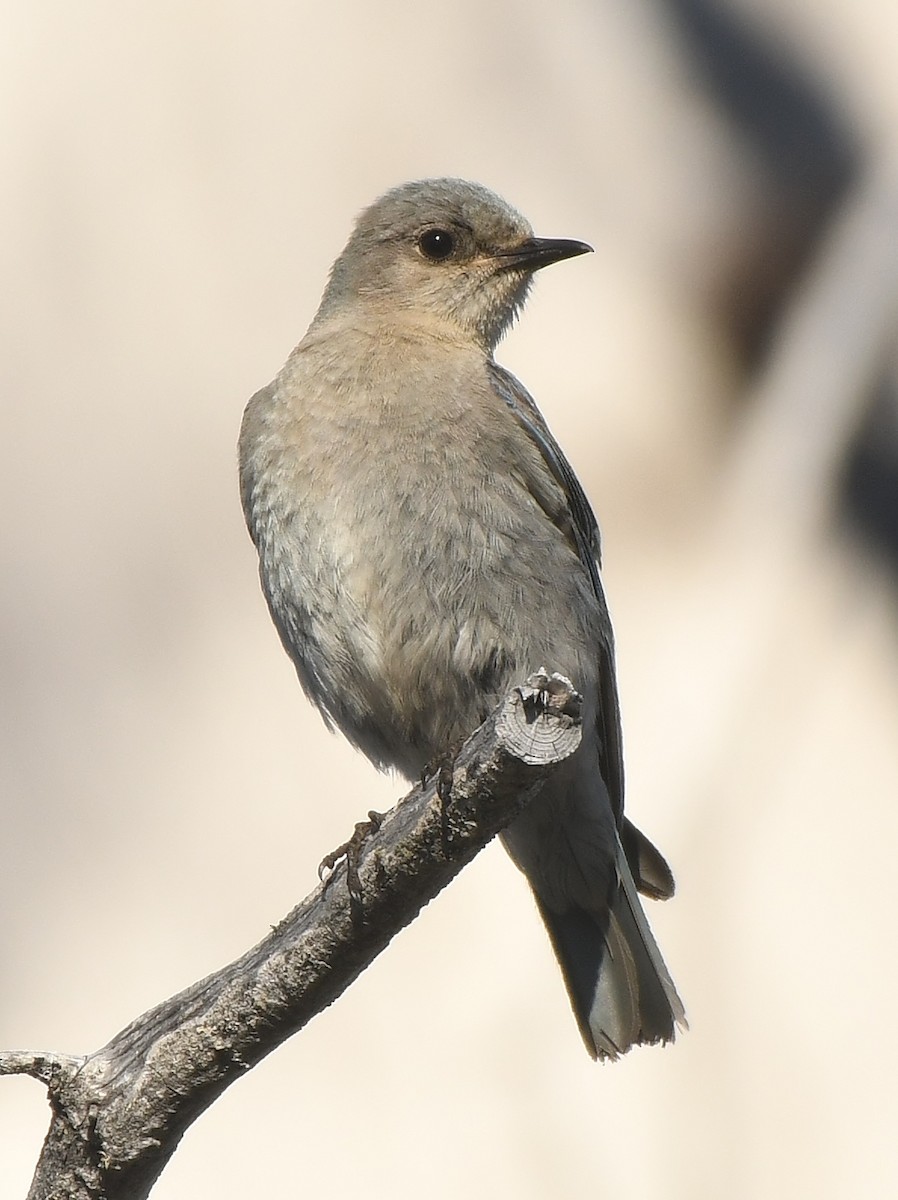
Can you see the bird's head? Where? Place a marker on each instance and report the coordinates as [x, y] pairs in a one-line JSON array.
[[442, 249]]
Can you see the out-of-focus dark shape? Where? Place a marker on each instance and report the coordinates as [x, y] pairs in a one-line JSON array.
[[869, 491], [804, 153]]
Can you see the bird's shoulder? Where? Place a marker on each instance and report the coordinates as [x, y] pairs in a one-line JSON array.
[[580, 521]]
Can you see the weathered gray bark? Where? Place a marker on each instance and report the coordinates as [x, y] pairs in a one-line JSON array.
[[119, 1113]]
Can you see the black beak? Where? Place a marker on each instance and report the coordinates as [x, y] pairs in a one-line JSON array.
[[540, 252]]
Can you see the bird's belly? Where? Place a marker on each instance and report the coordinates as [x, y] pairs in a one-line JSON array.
[[440, 630], [428, 587]]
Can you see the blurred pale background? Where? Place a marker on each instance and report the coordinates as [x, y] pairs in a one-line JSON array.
[[176, 181]]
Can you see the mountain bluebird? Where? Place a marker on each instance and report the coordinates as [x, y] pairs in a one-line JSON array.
[[424, 545]]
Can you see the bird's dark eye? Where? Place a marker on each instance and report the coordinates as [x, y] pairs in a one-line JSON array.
[[436, 244]]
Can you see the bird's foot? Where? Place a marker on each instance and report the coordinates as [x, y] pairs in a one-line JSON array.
[[351, 851], [550, 693], [442, 768]]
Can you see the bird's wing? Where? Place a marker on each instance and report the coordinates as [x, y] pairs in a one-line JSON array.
[[579, 525]]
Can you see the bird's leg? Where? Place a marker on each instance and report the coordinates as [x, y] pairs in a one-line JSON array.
[[554, 693], [442, 768], [351, 851]]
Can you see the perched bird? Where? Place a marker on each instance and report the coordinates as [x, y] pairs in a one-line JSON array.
[[424, 545]]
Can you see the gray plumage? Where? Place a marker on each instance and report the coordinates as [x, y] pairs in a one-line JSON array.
[[424, 545]]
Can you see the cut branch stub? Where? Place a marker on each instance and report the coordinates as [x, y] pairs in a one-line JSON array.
[[540, 721]]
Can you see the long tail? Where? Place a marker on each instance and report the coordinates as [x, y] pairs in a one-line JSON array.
[[621, 991]]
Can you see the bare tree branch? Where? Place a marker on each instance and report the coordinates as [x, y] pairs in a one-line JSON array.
[[119, 1113]]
